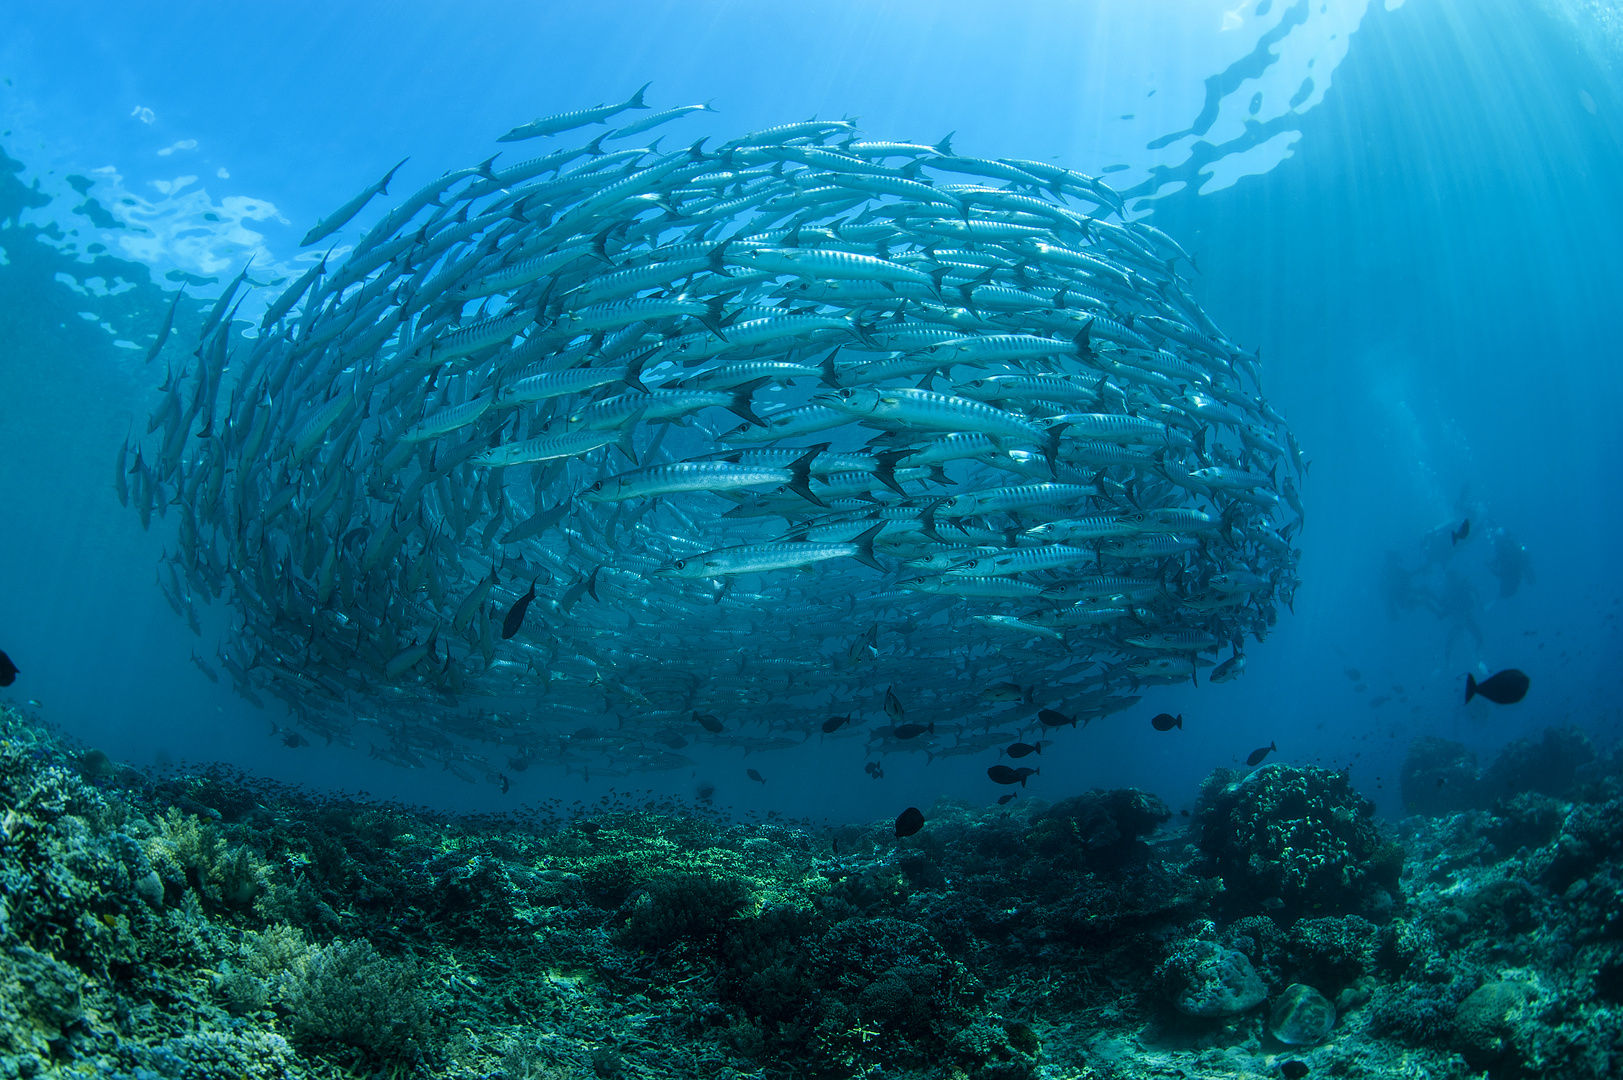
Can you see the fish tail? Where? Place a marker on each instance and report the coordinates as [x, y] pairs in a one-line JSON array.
[[800, 474], [864, 553], [636, 101], [944, 147], [1470, 687], [740, 404]]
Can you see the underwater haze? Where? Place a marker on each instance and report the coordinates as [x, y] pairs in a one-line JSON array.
[[714, 539], [1403, 210]]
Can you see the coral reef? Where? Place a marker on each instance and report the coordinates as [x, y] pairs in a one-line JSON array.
[[205, 925]]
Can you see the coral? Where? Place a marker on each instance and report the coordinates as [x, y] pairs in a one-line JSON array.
[[1300, 838], [1201, 978], [1332, 953], [1486, 1025], [1548, 767], [683, 906], [1301, 1017], [348, 993], [1440, 777], [1101, 828]]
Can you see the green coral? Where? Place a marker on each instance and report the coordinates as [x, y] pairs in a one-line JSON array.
[[348, 993], [1301, 839]]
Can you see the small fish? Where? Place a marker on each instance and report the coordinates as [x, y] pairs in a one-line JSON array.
[[1505, 688], [1054, 719], [909, 822], [1462, 532], [506, 783], [1166, 721], [590, 828], [706, 792], [1008, 691], [893, 707], [1020, 749], [913, 731], [202, 666], [834, 723], [874, 770], [515, 614], [1002, 774], [8, 670], [1005, 799], [293, 739], [1260, 753], [865, 647], [1293, 1069], [708, 722], [757, 777], [1353, 674]]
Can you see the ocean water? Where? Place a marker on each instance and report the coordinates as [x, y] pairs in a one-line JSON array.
[[1408, 210]]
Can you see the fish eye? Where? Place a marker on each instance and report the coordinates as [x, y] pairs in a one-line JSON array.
[[679, 563], [848, 393], [598, 486]]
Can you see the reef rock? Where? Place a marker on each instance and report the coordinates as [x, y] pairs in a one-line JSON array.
[[1302, 840], [1302, 1016], [1209, 980]]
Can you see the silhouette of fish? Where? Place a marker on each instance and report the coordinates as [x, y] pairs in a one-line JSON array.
[[1261, 752], [909, 822], [8, 670], [1166, 721], [757, 777], [515, 614], [1505, 688]]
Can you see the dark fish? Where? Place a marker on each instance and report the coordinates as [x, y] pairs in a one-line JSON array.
[[874, 770], [1005, 799], [294, 739], [674, 741], [1457, 535], [590, 828], [757, 777], [910, 822], [835, 723], [1002, 774], [1505, 688], [8, 670], [1166, 721], [706, 792], [708, 722], [1352, 673], [1293, 1070], [913, 731], [515, 614], [1054, 719], [1258, 754], [893, 707], [1021, 749], [506, 784]]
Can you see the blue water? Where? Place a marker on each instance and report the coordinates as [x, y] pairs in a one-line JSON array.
[[1410, 209]]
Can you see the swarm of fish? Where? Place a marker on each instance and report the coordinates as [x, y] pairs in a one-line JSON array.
[[590, 457]]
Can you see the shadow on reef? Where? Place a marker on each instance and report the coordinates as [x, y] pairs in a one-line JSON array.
[[206, 925]]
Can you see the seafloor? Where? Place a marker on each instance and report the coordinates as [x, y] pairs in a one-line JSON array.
[[204, 925]]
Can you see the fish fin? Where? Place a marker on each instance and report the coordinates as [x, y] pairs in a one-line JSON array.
[[800, 474], [383, 186], [714, 258], [740, 404], [636, 99], [944, 147], [864, 542], [1084, 345], [485, 169], [595, 147], [830, 373]]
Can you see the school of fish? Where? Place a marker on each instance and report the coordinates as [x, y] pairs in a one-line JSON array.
[[592, 457]]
